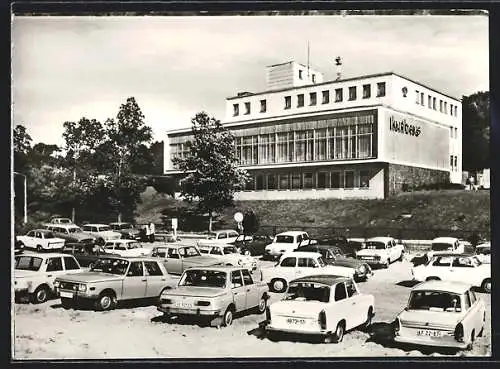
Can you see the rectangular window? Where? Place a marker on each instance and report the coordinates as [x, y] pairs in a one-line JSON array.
[[451, 132], [320, 144], [314, 78], [296, 181], [312, 98], [288, 102], [325, 97], [271, 182], [300, 73], [429, 101], [451, 162], [364, 179], [250, 185], [336, 180], [263, 106], [367, 91], [417, 101], [434, 103], [247, 108], [440, 106], [338, 95], [304, 145], [308, 180], [451, 109], [445, 109], [422, 98], [300, 100], [321, 180], [247, 150], [365, 138], [285, 147], [260, 182], [380, 89], [456, 163], [455, 110], [236, 110], [456, 132], [283, 181], [352, 93], [349, 179]]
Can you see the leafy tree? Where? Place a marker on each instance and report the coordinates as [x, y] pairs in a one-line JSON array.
[[22, 146], [476, 131], [210, 166], [156, 150], [165, 185]]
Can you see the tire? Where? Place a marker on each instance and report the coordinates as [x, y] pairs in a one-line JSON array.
[[39, 248], [247, 253], [369, 317], [338, 335], [67, 303], [387, 263], [278, 285], [480, 334], [106, 301], [486, 285], [227, 319], [100, 241], [40, 295], [261, 308], [90, 266]]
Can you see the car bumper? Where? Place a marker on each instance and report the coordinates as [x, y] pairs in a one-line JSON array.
[[191, 312], [20, 293], [75, 295], [266, 325], [449, 343], [372, 261]]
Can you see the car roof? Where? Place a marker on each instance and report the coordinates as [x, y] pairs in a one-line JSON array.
[[45, 255], [484, 245], [118, 223], [129, 258], [224, 230], [316, 246], [300, 253], [121, 240], [380, 239], [96, 225], [176, 246], [220, 268], [290, 233], [63, 225], [329, 280], [42, 230], [445, 239], [454, 287], [452, 254]]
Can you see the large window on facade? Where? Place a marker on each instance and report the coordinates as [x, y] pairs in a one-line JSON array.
[[364, 179], [365, 141], [322, 180], [352, 93], [304, 145], [336, 180], [267, 149], [285, 147], [249, 150], [320, 144], [300, 100], [308, 180], [342, 142], [283, 181], [380, 89], [296, 181], [271, 182], [349, 179]]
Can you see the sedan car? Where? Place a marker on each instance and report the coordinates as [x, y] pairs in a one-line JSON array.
[[441, 314], [41, 240], [381, 251], [127, 230], [483, 252], [129, 248], [252, 245], [220, 236], [229, 255], [102, 231], [323, 305], [177, 258], [286, 242], [216, 293]]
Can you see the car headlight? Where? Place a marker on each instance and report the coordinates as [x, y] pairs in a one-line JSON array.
[[240, 262], [82, 288], [56, 284]]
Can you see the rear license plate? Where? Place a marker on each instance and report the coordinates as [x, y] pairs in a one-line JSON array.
[[295, 321], [65, 294], [429, 333], [183, 305]]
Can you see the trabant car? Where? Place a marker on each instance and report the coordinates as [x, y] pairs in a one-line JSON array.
[[127, 230], [286, 242], [102, 231], [483, 252], [252, 245], [321, 305], [86, 255], [41, 240], [178, 257], [441, 314], [34, 274], [216, 293], [381, 251], [124, 247], [112, 279], [59, 220], [219, 236], [453, 267], [73, 234], [229, 255], [297, 264]]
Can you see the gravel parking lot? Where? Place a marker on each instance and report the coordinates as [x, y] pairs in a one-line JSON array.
[[48, 331]]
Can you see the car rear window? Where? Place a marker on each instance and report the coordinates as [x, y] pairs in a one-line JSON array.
[[284, 239]]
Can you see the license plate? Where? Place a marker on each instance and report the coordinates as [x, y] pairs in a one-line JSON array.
[[183, 305], [66, 294], [295, 321], [367, 257], [429, 333]]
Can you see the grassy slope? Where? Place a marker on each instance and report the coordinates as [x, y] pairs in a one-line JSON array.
[[447, 209]]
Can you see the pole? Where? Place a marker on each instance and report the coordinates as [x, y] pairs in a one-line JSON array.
[[25, 197]]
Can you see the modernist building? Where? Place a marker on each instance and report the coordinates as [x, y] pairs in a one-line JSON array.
[[364, 137]]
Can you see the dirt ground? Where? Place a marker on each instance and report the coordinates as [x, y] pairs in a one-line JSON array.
[[136, 330]]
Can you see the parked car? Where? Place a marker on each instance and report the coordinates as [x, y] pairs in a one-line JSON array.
[[59, 220], [348, 247], [34, 274], [381, 251], [18, 247], [229, 255], [440, 245], [483, 252], [441, 314], [113, 279], [252, 245], [86, 254], [41, 240], [217, 293], [321, 305], [102, 231], [74, 234], [220, 236], [126, 248], [334, 255], [177, 257], [286, 242], [127, 230], [453, 267], [296, 264]]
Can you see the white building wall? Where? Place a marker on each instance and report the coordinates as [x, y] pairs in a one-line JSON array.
[[291, 74]]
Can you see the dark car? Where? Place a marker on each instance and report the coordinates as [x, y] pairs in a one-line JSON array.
[[349, 247], [127, 230], [252, 245], [18, 247], [335, 256], [86, 254]]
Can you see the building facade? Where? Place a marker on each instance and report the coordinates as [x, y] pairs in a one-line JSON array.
[[365, 137]]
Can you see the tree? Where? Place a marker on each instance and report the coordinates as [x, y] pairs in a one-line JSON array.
[[22, 147], [210, 166], [250, 222], [476, 131]]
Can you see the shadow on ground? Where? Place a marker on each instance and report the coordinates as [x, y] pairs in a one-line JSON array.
[[409, 283]]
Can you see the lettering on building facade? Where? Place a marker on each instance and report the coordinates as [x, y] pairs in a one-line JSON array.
[[402, 126]]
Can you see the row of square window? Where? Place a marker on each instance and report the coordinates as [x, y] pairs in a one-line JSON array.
[[432, 104], [452, 129], [325, 98], [454, 163]]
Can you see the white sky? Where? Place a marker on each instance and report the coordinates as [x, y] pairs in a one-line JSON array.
[[64, 68]]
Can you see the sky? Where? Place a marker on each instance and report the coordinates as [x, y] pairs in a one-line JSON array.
[[65, 68]]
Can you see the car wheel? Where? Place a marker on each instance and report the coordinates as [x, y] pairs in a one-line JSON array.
[[105, 301], [100, 241], [369, 318], [66, 303], [386, 265], [480, 334], [227, 319], [471, 343], [90, 266], [486, 285], [278, 285], [338, 336], [261, 308], [39, 248], [247, 252], [40, 295]]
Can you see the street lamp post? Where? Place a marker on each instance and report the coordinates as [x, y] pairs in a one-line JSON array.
[[25, 202]]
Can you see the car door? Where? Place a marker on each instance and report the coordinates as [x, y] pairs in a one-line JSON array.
[[173, 261], [477, 312], [305, 266], [357, 311], [440, 267], [343, 306], [54, 269], [238, 290], [71, 265], [30, 239], [461, 269], [156, 279], [252, 293], [135, 281], [288, 268]]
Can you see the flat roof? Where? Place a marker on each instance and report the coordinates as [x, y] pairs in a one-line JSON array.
[[454, 287], [326, 279], [445, 239]]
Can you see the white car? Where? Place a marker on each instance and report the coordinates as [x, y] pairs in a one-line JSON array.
[[455, 268], [483, 252], [103, 231], [381, 251], [58, 220], [126, 248], [441, 314], [229, 255], [300, 264], [220, 236], [34, 274], [286, 242], [41, 240], [321, 305], [445, 245]]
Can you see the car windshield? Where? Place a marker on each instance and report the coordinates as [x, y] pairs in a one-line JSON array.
[[104, 228], [189, 252], [203, 278], [74, 230], [483, 250], [49, 235], [284, 239], [112, 266], [308, 292], [375, 245], [230, 250], [440, 246], [133, 245], [28, 263], [434, 301]]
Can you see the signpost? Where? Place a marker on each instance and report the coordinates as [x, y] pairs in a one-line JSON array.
[[238, 217], [174, 227]]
